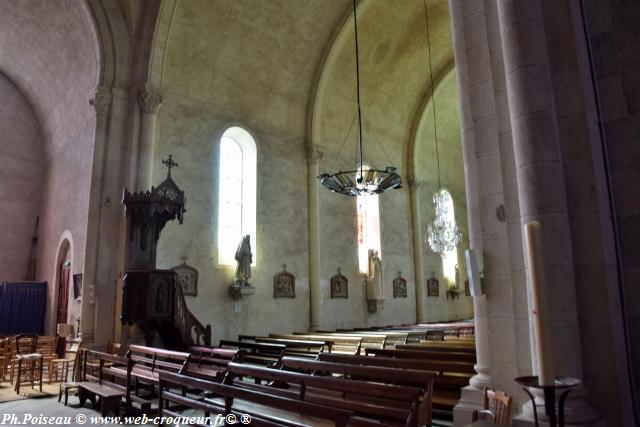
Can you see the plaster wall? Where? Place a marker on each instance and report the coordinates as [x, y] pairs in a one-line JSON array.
[[21, 170], [47, 49]]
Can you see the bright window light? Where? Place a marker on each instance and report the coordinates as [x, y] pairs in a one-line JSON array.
[[368, 223], [449, 258], [236, 194]]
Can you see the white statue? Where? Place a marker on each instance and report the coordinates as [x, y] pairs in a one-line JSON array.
[[244, 258], [375, 272]]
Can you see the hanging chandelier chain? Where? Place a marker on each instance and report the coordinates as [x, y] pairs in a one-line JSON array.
[[355, 25], [344, 141], [433, 99]]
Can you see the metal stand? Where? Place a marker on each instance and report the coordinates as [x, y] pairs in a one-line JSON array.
[[564, 384]]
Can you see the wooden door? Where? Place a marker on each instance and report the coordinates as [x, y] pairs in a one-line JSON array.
[[63, 295]]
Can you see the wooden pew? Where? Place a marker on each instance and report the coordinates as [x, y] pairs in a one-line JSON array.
[[112, 372], [266, 354], [297, 347], [333, 364], [240, 400], [374, 404], [337, 344], [210, 363], [398, 353], [370, 338], [452, 375], [446, 347]]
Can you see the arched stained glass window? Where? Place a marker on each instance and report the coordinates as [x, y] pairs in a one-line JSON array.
[[236, 193]]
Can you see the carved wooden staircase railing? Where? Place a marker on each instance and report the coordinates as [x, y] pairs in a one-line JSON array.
[[193, 332]]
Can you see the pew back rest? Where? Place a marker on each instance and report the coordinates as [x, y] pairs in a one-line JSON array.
[[420, 379], [340, 417], [337, 344], [267, 354], [297, 347], [156, 360], [401, 353], [373, 400]]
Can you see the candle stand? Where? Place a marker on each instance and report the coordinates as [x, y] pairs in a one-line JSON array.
[[561, 384]]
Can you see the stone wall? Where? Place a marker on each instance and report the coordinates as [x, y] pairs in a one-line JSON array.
[[49, 53], [21, 170]]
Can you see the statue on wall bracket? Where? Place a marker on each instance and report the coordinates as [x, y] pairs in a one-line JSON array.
[[339, 286], [284, 284], [399, 286], [187, 278], [373, 283], [244, 257], [433, 286]]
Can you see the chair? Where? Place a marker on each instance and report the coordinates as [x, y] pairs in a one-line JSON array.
[[5, 357], [497, 407], [29, 362]]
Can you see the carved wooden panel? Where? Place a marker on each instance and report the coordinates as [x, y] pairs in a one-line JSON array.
[[188, 279], [284, 285], [339, 286], [433, 287], [399, 287]]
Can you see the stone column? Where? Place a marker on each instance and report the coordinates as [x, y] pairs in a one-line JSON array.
[[421, 308], [315, 293], [149, 99], [467, 23], [101, 102], [541, 188]]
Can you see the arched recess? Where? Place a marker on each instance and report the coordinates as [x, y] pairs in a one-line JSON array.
[[63, 269]]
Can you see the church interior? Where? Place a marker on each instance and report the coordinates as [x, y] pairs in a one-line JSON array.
[[320, 212]]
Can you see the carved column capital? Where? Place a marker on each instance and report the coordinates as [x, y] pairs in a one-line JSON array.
[[312, 153], [101, 100], [150, 99]]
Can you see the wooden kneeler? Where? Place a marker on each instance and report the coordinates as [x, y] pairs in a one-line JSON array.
[[109, 397]]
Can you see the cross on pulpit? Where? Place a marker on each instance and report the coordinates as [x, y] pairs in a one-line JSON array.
[[184, 259], [169, 163], [284, 267]]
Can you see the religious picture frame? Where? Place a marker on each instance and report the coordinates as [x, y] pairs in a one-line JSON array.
[[339, 286], [77, 286], [433, 286], [284, 284], [187, 278], [399, 286]]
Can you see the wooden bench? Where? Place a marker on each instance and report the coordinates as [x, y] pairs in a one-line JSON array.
[[109, 397], [368, 339], [337, 344], [266, 354], [298, 347], [239, 401], [105, 385], [210, 363], [451, 377], [374, 404], [402, 353], [329, 364]]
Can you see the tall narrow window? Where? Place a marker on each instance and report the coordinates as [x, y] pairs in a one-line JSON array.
[[236, 194], [449, 258], [368, 223]]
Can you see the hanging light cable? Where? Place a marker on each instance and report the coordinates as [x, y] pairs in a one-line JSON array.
[[362, 180], [442, 234]]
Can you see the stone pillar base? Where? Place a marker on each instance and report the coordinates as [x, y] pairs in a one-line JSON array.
[[577, 411], [471, 400]]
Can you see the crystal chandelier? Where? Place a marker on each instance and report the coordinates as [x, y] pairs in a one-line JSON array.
[[363, 180], [442, 234]]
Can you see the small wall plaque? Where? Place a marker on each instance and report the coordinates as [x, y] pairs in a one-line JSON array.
[[188, 278], [399, 286], [284, 284], [433, 286], [339, 286]]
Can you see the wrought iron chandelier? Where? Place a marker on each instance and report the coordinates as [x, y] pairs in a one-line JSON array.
[[442, 234], [363, 180]]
